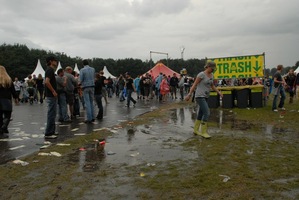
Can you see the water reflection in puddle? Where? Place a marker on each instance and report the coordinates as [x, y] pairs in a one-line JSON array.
[[226, 119], [89, 158], [160, 141]]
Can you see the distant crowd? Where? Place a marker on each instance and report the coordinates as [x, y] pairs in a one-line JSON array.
[[147, 87]]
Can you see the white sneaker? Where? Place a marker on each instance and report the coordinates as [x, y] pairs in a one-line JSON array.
[[275, 110], [50, 136], [282, 108]]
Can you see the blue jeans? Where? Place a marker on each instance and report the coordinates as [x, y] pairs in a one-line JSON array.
[[88, 95], [122, 95], [203, 110], [98, 99], [62, 106], [129, 97], [51, 115], [282, 98]]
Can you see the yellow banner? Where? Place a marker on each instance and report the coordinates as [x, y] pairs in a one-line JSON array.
[[239, 67]]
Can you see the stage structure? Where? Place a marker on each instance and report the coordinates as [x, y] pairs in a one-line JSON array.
[[158, 53]]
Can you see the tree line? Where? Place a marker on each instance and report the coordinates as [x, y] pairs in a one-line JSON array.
[[20, 61]]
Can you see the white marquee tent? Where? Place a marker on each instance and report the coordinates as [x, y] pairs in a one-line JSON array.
[[76, 69], [107, 74], [59, 67], [38, 70], [297, 70]]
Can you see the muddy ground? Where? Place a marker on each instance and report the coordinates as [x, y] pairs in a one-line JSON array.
[[253, 154]]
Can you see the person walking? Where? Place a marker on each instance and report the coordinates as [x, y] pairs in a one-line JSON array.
[[87, 81], [136, 84], [104, 89], [7, 91], [17, 85], [71, 84], [110, 87], [173, 82], [99, 84], [121, 85], [202, 85], [34, 87], [278, 89], [130, 88], [51, 95], [290, 81], [61, 82], [296, 86], [164, 88], [76, 106], [158, 82], [30, 89], [40, 87], [181, 87], [147, 84]]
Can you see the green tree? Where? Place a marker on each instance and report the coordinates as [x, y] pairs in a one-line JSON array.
[[20, 61]]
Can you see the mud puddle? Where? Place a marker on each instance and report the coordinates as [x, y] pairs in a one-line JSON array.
[[161, 140], [142, 151]]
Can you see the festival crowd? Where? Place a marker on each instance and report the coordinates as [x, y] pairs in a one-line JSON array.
[[66, 91]]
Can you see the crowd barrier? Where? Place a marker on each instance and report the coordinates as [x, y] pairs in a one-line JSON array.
[[238, 96]]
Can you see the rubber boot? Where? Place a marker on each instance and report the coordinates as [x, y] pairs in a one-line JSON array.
[[204, 130], [5, 125], [3, 135], [196, 127]]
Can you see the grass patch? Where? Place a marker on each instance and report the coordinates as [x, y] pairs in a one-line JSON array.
[[254, 174]]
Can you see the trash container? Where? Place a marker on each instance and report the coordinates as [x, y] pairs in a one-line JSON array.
[[242, 98], [214, 100], [256, 98], [227, 100]]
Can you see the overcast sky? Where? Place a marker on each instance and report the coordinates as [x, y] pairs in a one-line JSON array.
[[132, 28]]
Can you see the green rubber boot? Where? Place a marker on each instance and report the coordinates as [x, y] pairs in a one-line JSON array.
[[196, 127], [204, 129]]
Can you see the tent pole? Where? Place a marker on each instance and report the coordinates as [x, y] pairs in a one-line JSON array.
[[167, 60], [150, 59]]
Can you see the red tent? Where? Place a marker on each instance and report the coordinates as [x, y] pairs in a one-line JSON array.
[[160, 67]]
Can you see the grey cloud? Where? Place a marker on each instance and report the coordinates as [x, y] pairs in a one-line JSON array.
[[131, 28], [148, 8]]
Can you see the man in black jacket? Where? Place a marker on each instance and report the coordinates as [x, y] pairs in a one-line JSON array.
[[173, 85]]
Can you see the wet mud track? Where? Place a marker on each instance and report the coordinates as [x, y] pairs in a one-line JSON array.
[[137, 158]]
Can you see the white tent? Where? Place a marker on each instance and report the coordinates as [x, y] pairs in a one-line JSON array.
[[107, 73], [77, 69], [59, 67], [38, 70], [297, 70]]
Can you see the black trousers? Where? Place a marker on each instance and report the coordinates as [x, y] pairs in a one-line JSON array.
[[4, 119]]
